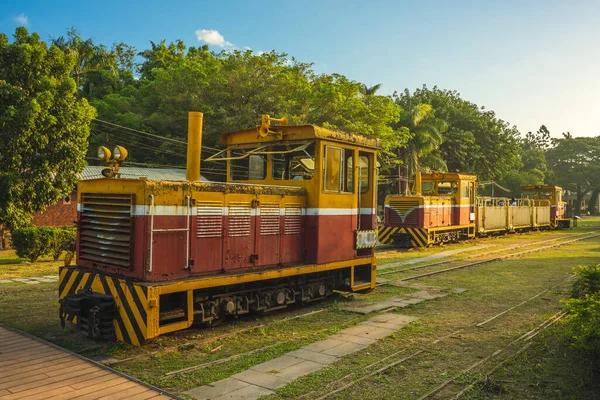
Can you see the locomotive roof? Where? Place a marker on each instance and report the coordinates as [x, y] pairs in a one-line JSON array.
[[451, 176], [538, 187], [299, 132]]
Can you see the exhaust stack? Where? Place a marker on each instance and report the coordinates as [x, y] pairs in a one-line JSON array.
[[418, 182], [194, 146]]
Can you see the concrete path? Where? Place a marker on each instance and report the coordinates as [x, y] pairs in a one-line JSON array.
[[34, 280], [401, 301], [262, 379], [436, 256]]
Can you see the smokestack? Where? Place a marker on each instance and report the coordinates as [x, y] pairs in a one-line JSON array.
[[418, 182], [194, 146]]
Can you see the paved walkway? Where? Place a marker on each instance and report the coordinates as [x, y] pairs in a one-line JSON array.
[[33, 369], [34, 280], [262, 379], [436, 256]]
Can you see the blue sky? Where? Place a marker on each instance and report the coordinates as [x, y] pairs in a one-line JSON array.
[[533, 62]]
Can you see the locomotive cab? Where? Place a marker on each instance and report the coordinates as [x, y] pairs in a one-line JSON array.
[[552, 195]]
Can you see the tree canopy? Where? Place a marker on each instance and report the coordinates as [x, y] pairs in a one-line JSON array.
[[44, 127], [143, 97]]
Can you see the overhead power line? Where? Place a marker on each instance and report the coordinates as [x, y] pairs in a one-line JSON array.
[[181, 142]]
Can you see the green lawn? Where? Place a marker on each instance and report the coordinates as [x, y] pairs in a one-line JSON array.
[[548, 369]]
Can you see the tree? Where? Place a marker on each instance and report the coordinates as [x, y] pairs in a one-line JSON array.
[[575, 164], [90, 58], [475, 140], [425, 136], [44, 127], [369, 91]]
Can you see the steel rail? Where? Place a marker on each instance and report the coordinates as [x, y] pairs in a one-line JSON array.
[[478, 255], [495, 259]]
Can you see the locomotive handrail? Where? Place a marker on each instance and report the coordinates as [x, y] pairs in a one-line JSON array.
[[486, 201]]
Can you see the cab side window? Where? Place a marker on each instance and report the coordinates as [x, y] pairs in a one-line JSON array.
[[339, 171]]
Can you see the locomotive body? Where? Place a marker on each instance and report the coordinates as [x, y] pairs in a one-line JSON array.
[[445, 209], [295, 221], [441, 211]]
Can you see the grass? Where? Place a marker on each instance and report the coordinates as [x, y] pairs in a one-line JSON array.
[[491, 288]]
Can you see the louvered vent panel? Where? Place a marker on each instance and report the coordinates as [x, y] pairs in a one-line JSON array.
[[292, 221], [240, 215], [209, 219], [105, 229], [403, 207], [269, 219]]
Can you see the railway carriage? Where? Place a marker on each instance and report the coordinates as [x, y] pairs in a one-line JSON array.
[[294, 221]]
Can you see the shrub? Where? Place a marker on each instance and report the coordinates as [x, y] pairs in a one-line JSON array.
[[63, 239], [588, 281], [34, 242], [31, 242], [583, 320]]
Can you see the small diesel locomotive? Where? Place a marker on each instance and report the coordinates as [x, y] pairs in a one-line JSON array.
[[295, 220], [445, 208]]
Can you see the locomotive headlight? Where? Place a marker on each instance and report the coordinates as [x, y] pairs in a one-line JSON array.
[[103, 153], [120, 153]]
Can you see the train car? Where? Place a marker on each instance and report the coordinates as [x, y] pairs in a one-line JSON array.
[[552, 195], [438, 212], [294, 221], [442, 210]]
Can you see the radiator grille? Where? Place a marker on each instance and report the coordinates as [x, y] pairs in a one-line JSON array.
[[269, 219], [209, 219], [292, 221], [105, 229], [403, 212], [240, 215]]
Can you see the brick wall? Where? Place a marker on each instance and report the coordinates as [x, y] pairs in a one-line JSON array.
[[63, 213]]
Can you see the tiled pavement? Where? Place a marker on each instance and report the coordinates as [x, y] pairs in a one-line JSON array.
[[262, 379]]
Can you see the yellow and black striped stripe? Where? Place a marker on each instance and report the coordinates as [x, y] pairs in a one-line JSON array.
[[132, 301], [385, 235], [419, 236]]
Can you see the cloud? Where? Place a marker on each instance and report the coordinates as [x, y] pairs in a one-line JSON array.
[[21, 19], [212, 36]]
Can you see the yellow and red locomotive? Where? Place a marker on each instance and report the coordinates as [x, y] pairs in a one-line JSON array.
[[445, 208], [294, 221]]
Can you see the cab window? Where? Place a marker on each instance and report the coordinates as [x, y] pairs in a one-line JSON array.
[[253, 167], [464, 190], [339, 173], [296, 165], [447, 187], [427, 187]]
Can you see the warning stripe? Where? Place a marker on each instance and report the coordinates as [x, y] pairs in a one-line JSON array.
[[132, 301], [130, 316], [126, 328], [387, 234]]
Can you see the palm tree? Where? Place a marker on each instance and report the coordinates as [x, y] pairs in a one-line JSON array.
[[426, 135], [369, 91], [89, 58]]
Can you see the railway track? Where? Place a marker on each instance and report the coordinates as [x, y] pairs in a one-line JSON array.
[[586, 236], [211, 340], [495, 251], [347, 382]]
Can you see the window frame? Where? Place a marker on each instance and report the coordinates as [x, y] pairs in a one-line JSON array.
[[342, 168]]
